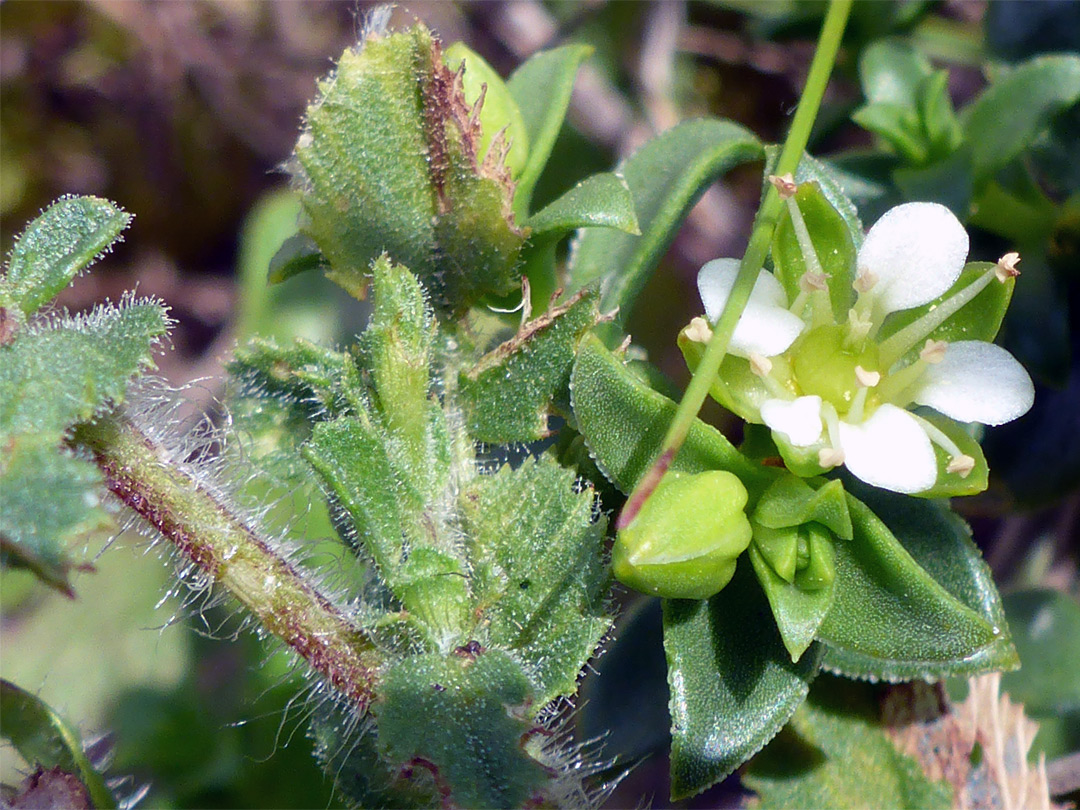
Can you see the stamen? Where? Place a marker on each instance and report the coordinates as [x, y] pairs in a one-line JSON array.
[[785, 185], [811, 281], [814, 280], [698, 330], [864, 281], [894, 347], [934, 351], [961, 464], [830, 457], [760, 365], [867, 379], [832, 427], [1006, 267], [895, 384]]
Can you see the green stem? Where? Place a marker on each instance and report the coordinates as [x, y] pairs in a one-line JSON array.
[[223, 545], [832, 32]]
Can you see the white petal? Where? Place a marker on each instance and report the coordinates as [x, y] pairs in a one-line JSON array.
[[766, 327], [890, 450], [916, 251], [799, 421], [977, 382]]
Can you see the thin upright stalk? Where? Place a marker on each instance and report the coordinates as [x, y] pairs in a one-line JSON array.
[[758, 247]]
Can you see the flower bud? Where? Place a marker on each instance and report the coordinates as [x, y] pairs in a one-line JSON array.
[[684, 542], [499, 110]]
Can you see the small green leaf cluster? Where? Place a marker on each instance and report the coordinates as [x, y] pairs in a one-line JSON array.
[[55, 372]]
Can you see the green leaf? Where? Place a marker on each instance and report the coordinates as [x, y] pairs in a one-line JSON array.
[[914, 598], [833, 244], [510, 392], [891, 72], [798, 612], [1046, 629], [1007, 117], [834, 753], [542, 86], [979, 319], [297, 254], [389, 163], [943, 133], [537, 563], [61, 372], [624, 421], [898, 126], [48, 498], [600, 201], [44, 738], [732, 683], [791, 501], [68, 236], [666, 176], [459, 718]]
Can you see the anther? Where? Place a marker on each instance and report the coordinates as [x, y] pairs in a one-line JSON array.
[[811, 281], [784, 184], [830, 457], [961, 464], [1006, 267], [867, 379], [698, 331], [864, 281], [760, 364], [934, 351]]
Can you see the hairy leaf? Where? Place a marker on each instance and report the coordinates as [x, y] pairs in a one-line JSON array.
[[600, 201], [510, 392], [68, 236]]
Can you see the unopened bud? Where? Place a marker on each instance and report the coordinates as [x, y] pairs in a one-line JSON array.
[[684, 542]]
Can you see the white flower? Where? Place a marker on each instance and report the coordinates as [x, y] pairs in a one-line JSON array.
[[841, 391]]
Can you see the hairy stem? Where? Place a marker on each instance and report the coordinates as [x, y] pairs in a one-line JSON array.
[[758, 247], [224, 546]]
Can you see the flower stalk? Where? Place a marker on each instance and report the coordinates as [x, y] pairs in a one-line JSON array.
[[224, 546], [753, 260]]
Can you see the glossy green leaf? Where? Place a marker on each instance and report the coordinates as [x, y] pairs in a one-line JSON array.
[[542, 86], [899, 126], [538, 572], [600, 201], [979, 319], [834, 753], [44, 738], [460, 719], [831, 238], [388, 163], [68, 236], [666, 177], [511, 391], [791, 501], [61, 372], [939, 121], [914, 598], [798, 611], [624, 421], [732, 683], [1007, 117]]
